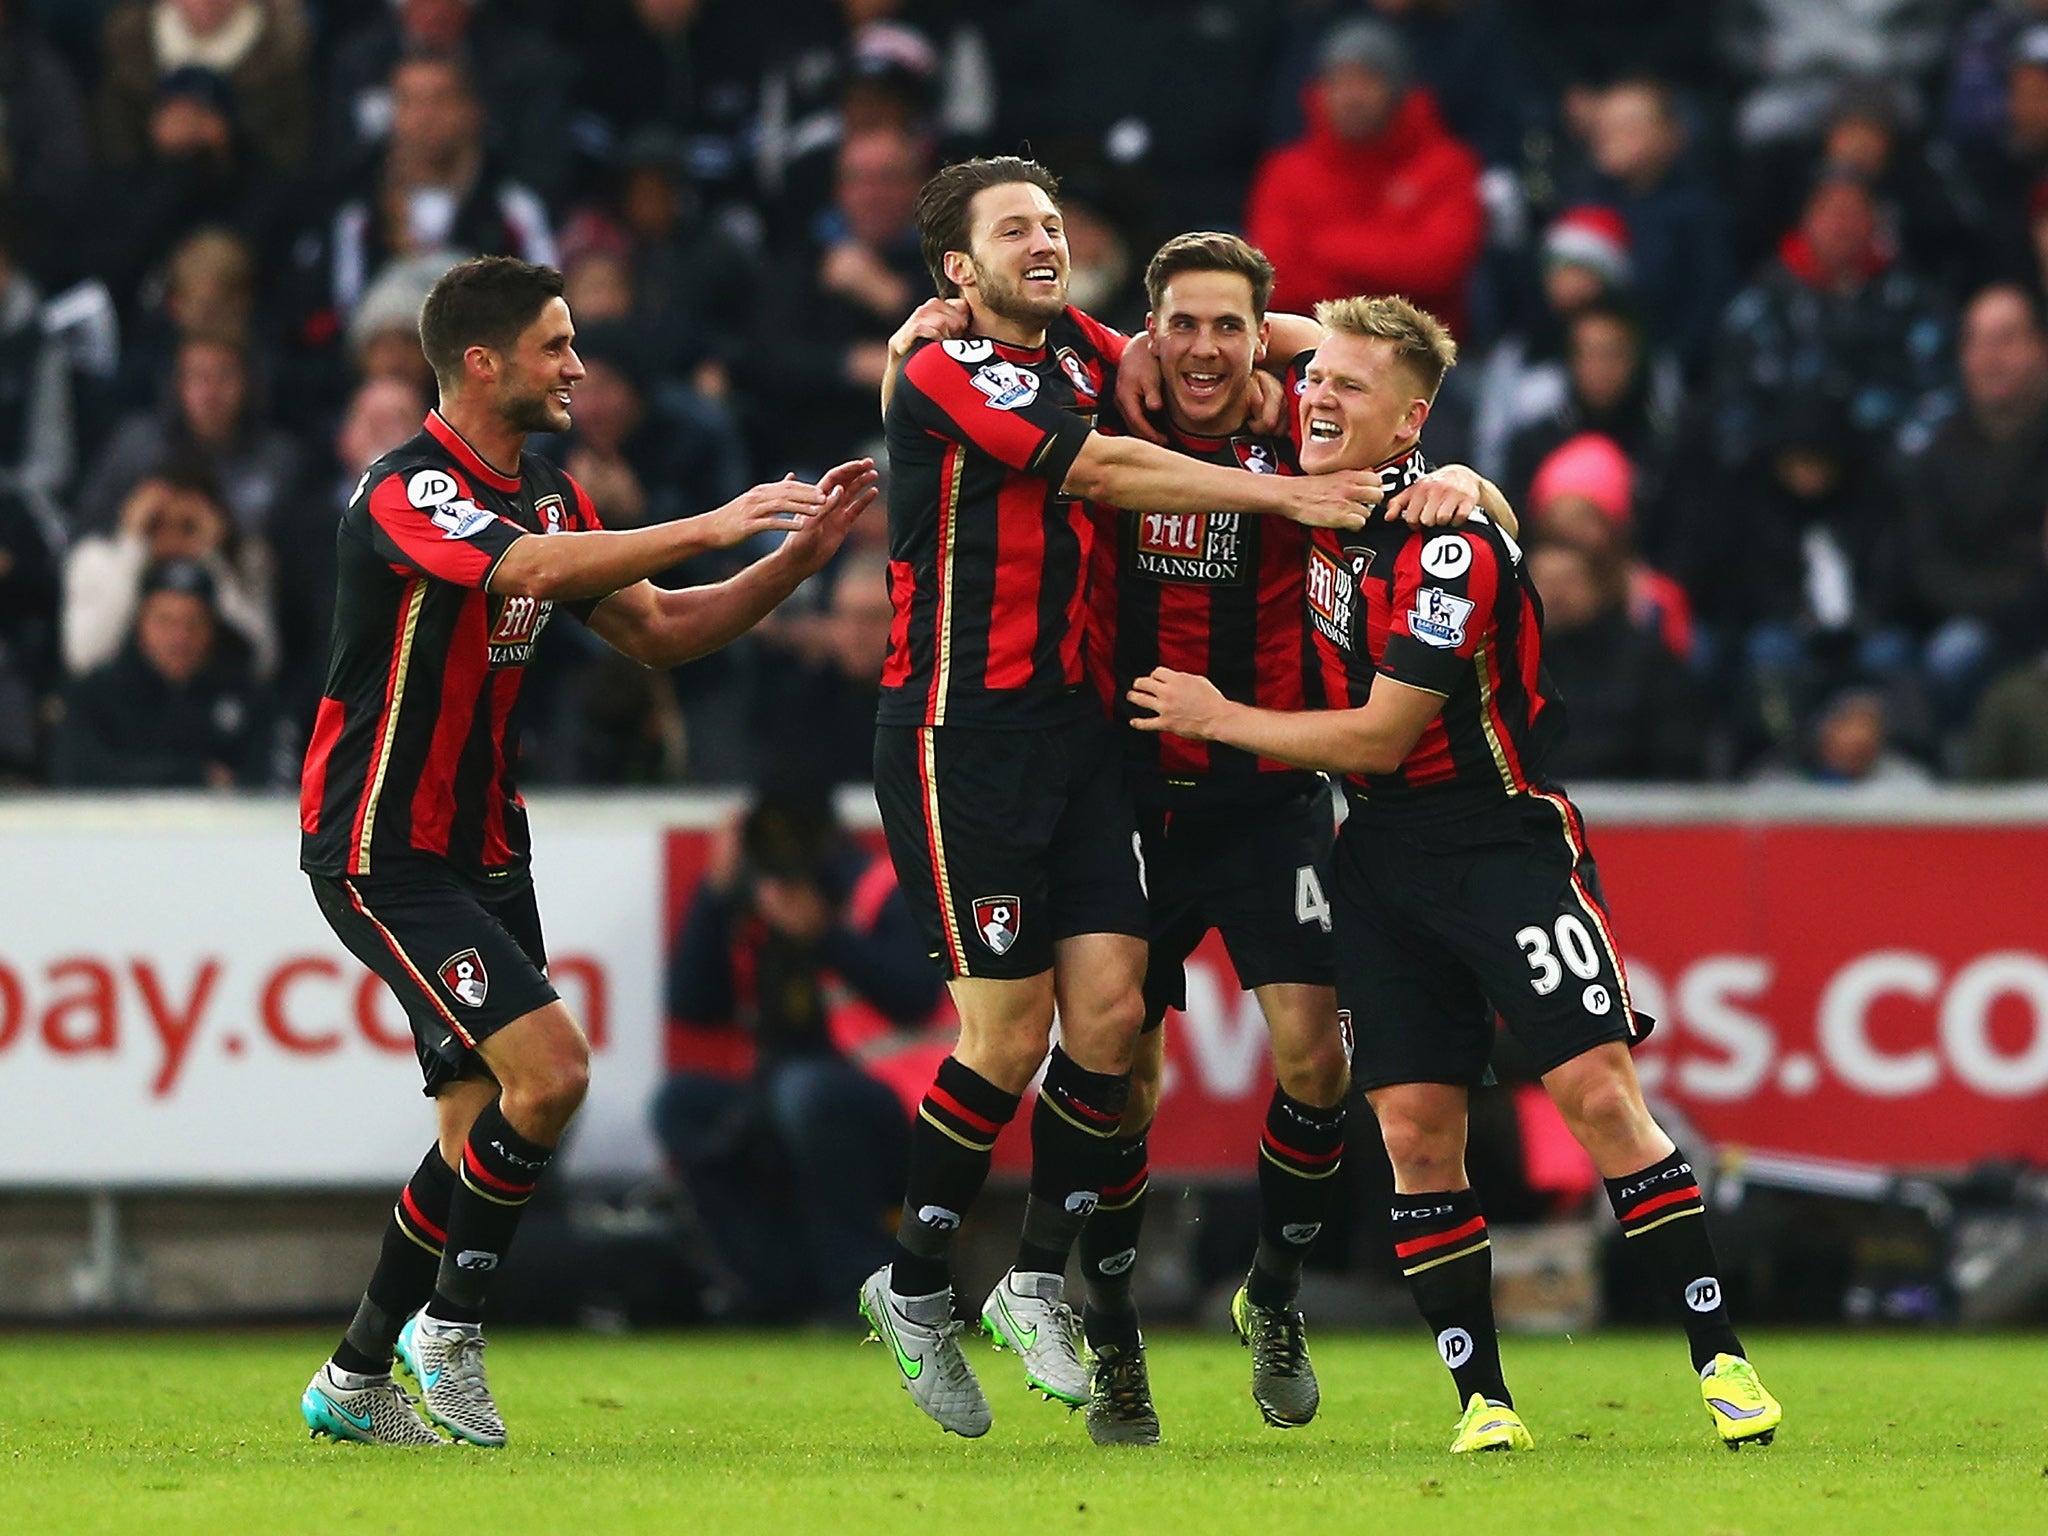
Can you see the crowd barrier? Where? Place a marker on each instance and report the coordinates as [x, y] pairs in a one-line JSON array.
[[1848, 978]]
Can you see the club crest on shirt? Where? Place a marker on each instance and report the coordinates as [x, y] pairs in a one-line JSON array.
[[466, 979], [1201, 547], [998, 919], [550, 511], [1255, 456], [1078, 376], [1007, 386], [1439, 618]]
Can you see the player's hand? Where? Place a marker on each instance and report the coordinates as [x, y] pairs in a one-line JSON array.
[[1443, 498], [933, 320], [776, 507], [1180, 702], [1139, 390], [850, 489], [1270, 405], [1341, 500]]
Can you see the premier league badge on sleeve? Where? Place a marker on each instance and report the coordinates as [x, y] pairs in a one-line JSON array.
[[997, 919], [1007, 386], [466, 979]]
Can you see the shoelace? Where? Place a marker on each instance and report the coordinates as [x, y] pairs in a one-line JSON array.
[[1278, 1341], [1125, 1386], [466, 1366], [952, 1361], [1066, 1328]]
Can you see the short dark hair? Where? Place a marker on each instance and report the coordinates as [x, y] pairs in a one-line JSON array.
[[1209, 250], [945, 204], [486, 302]]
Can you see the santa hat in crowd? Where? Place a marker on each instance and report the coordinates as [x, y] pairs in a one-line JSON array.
[[1589, 466], [1590, 236]]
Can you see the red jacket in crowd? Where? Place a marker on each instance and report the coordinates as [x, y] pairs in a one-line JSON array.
[[1395, 213]]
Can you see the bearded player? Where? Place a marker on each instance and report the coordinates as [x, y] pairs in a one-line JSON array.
[[1462, 885]]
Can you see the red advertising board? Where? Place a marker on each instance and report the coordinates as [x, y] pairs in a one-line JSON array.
[[1875, 994]]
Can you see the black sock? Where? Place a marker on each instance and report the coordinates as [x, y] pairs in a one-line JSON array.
[[1664, 1219], [950, 1142], [1073, 1134], [499, 1170], [1302, 1148], [1440, 1240], [1109, 1244], [404, 1277]]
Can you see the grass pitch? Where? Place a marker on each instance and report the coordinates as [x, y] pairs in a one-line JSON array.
[[789, 1435]]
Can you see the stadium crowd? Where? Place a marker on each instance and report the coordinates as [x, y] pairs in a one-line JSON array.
[[1749, 291]]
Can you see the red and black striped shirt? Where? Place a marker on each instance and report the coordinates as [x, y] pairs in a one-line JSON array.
[[1214, 593], [1451, 611], [412, 752], [988, 562]]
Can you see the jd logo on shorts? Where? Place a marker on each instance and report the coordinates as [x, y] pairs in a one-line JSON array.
[[1455, 1345], [1704, 1294], [466, 979], [997, 919]]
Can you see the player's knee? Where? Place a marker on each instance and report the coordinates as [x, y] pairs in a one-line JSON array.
[[1423, 1154], [1608, 1109], [551, 1090], [1317, 1074]]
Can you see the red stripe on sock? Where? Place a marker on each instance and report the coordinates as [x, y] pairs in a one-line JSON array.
[[1088, 1111], [1313, 1159], [469, 1161], [1675, 1197], [959, 1111], [1117, 1191], [412, 1210], [1416, 1245]]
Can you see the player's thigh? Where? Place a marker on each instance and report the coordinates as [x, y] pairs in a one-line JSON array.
[[1415, 1012], [1097, 863], [970, 818], [1098, 981], [1529, 924], [458, 973], [1175, 916], [1311, 1054]]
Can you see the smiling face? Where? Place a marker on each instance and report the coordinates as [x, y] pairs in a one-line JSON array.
[[1208, 341], [1359, 405], [1016, 264], [536, 378]]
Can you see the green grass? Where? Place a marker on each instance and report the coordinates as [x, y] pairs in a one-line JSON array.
[[787, 1435]]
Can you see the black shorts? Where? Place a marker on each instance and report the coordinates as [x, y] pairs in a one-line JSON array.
[[1258, 874], [464, 957], [1442, 924], [1005, 841]]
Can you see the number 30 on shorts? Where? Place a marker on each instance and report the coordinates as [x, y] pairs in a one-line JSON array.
[[1574, 943]]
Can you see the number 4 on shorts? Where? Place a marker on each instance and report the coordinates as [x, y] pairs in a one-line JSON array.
[[1310, 905]]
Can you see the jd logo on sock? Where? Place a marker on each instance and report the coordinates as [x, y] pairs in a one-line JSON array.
[[1455, 1345], [1119, 1263], [476, 1258], [1704, 1294], [1299, 1232], [1081, 1202], [938, 1218]]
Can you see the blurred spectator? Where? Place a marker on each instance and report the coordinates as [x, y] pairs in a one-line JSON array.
[[170, 518], [434, 189], [1973, 502], [1568, 44], [38, 445], [828, 307], [528, 100], [174, 709], [209, 288], [29, 666], [1677, 236], [2009, 736], [688, 69], [45, 155], [1850, 747], [384, 331], [1788, 54], [1104, 276], [210, 415], [2004, 170], [1869, 135], [195, 171], [1607, 383], [1833, 316], [802, 938], [1584, 495], [820, 676], [257, 48], [383, 413], [1978, 75], [1377, 197], [1630, 707]]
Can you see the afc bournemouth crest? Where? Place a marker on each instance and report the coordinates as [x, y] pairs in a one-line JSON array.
[[1255, 456], [465, 978], [997, 919]]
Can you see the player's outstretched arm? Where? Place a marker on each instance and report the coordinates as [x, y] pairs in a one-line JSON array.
[[562, 567], [1123, 472], [662, 628], [1375, 738]]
